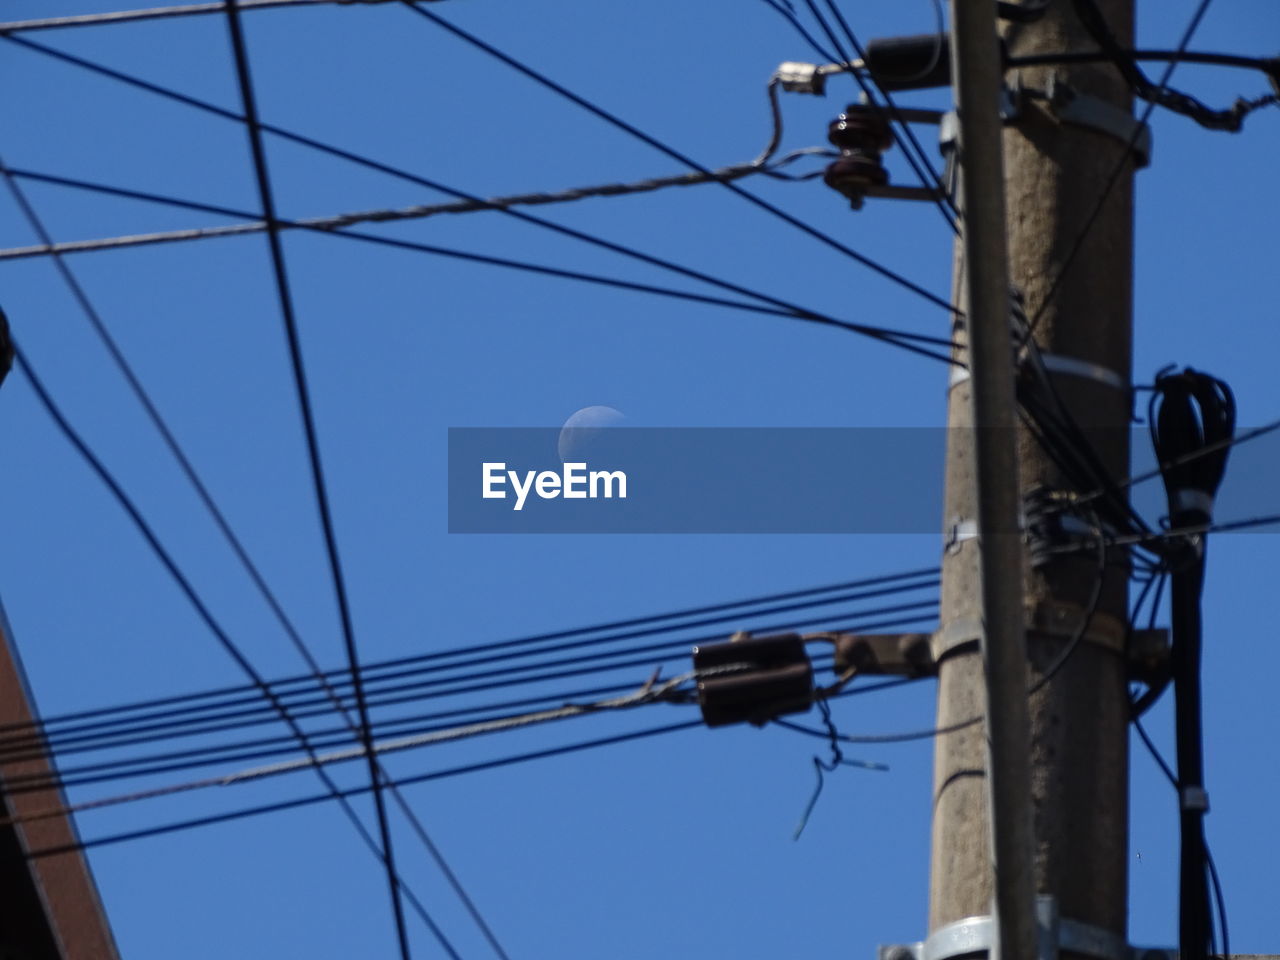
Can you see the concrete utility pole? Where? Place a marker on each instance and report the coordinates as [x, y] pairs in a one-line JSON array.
[[1056, 168], [977, 79]]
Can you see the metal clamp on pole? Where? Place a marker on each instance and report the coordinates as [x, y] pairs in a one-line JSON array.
[[774, 677], [975, 937], [881, 654], [1082, 110]]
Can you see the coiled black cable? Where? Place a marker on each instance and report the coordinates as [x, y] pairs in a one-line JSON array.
[[1189, 412]]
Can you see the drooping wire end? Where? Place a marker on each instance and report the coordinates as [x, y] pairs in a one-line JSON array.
[[820, 767], [813, 801]]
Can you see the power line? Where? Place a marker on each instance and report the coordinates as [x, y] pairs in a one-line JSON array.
[[230, 537], [320, 491], [903, 339], [95, 738], [649, 693], [385, 214], [156, 13], [435, 185], [412, 780], [79, 739], [132, 511], [332, 737], [1191, 530], [764, 163], [357, 791], [1205, 451], [400, 727], [628, 128], [550, 642], [1119, 168], [202, 611], [1268, 65], [1229, 120], [262, 748], [255, 718]]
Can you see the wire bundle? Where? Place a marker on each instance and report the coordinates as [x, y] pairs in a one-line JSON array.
[[1189, 412], [203, 729], [1230, 120]]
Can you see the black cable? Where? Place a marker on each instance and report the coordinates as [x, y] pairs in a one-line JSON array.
[[413, 692], [407, 781], [1140, 704], [1060, 435], [461, 195], [887, 335], [1204, 451], [327, 739], [787, 12], [255, 719], [1177, 101], [678, 156], [197, 603], [525, 646], [320, 491], [1119, 168], [1188, 411], [1220, 901], [1268, 65], [356, 791], [244, 756], [330, 738], [321, 739], [185, 722], [237, 546], [1169, 775]]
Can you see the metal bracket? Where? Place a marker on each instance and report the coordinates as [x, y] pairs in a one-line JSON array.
[[976, 936], [1146, 651], [958, 633], [1062, 364], [1083, 110], [949, 135], [1075, 367], [1067, 106], [1064, 620], [960, 530], [885, 654], [889, 191]]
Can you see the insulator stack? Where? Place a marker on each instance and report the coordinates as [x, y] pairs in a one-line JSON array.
[[862, 133]]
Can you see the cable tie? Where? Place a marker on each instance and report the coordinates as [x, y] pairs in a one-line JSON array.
[[1194, 799]]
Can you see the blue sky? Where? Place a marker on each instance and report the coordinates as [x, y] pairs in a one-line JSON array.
[[679, 844]]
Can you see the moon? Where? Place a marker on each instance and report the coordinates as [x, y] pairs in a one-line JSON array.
[[584, 427]]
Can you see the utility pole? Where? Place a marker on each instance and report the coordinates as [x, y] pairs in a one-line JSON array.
[[1055, 171], [983, 274]]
